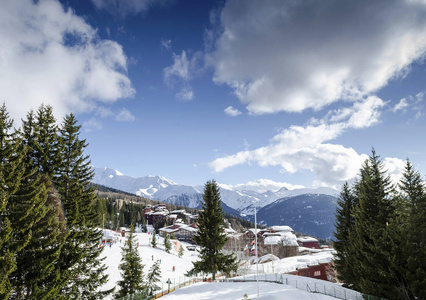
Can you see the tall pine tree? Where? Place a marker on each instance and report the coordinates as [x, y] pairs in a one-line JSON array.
[[210, 235], [152, 278], [11, 173], [83, 272], [42, 135], [370, 238], [131, 268], [410, 244], [36, 276], [342, 244]]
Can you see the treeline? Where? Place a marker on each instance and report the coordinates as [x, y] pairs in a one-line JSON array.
[[49, 227], [131, 211], [381, 233]]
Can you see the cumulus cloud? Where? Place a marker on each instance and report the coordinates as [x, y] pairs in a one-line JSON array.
[[307, 147], [184, 68], [293, 55], [233, 112], [127, 7], [50, 55]]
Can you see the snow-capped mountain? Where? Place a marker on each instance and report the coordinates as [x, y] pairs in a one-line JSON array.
[[276, 206], [146, 186], [243, 198]]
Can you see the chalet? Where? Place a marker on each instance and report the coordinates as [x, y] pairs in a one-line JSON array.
[[182, 216], [182, 232], [173, 218], [281, 242], [308, 242], [153, 217]]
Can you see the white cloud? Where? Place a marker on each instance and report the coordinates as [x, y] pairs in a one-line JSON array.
[[293, 55], [179, 69], [233, 112], [394, 167], [184, 68], [50, 55], [126, 7], [167, 44], [125, 116], [186, 94], [92, 124], [412, 103], [308, 148], [401, 105]]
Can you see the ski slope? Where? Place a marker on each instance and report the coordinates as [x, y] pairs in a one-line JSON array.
[[208, 290]]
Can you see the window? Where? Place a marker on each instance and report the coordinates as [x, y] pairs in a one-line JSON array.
[[317, 273]]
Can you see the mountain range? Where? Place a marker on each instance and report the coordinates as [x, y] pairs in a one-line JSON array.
[[309, 211]]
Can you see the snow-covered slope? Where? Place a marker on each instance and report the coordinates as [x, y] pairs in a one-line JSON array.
[[243, 198], [146, 186]]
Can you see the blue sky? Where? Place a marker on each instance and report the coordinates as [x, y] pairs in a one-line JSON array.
[[290, 92]]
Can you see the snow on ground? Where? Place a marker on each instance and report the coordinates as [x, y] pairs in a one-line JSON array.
[[224, 290], [237, 290], [149, 256], [290, 264]]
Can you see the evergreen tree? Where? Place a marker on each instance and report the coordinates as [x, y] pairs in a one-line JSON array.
[[154, 241], [131, 268], [82, 270], [344, 224], [32, 220], [36, 275], [370, 237], [152, 278], [11, 173], [411, 234], [167, 243], [180, 253], [41, 134], [210, 235]]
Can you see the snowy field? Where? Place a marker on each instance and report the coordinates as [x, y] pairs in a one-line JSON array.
[[149, 255], [236, 291], [297, 287]]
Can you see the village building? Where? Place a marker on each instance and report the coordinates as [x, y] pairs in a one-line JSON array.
[[181, 232], [282, 241], [277, 240], [154, 217], [308, 242]]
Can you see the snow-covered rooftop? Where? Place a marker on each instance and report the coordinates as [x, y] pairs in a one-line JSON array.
[[282, 228], [306, 239]]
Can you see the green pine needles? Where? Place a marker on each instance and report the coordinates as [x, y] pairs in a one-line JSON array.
[[131, 268], [49, 229], [210, 235], [381, 233]]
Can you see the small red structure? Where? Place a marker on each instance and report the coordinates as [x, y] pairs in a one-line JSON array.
[[308, 242], [315, 271]]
